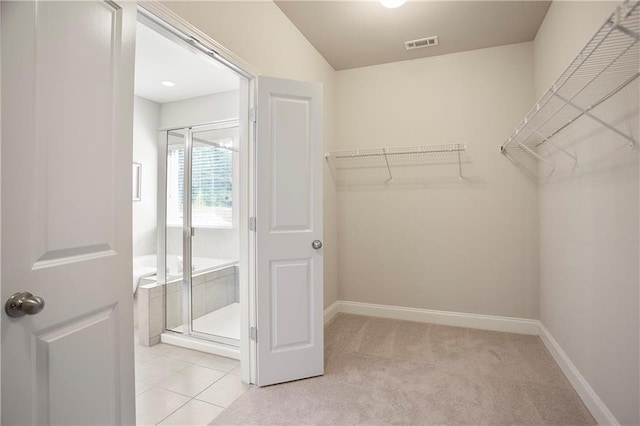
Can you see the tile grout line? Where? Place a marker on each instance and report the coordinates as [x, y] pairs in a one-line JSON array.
[[190, 363], [188, 396], [191, 398], [171, 413]]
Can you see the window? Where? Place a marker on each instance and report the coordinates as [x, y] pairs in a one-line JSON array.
[[211, 186]]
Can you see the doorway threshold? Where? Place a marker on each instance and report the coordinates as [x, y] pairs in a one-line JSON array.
[[200, 345]]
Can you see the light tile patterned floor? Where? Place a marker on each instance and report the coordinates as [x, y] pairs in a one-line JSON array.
[[177, 386]]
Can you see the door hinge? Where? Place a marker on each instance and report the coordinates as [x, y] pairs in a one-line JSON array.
[[252, 224], [253, 334], [253, 115]]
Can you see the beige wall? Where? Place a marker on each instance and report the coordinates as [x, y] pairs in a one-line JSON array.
[[589, 233], [262, 35], [467, 246]]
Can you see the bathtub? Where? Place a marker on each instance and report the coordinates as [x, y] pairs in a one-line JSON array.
[[146, 267]]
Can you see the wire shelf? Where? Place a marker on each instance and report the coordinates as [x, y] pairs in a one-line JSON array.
[[609, 62], [392, 159]]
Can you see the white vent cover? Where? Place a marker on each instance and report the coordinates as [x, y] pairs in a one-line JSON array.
[[420, 43]]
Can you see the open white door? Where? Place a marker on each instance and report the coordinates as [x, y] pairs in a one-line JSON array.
[[67, 107], [290, 341]]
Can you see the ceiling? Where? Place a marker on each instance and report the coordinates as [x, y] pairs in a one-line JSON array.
[[351, 34], [159, 59]]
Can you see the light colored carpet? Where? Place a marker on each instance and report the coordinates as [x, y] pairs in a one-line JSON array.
[[380, 371]]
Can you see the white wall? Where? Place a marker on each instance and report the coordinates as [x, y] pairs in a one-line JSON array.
[[263, 36], [207, 242], [219, 106], [466, 246], [589, 231], [146, 120]]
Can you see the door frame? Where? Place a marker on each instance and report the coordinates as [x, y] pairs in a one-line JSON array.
[[0, 222], [160, 15]]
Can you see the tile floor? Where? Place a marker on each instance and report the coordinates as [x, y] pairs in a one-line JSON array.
[[177, 386], [223, 322]]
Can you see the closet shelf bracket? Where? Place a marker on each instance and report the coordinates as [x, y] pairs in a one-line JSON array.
[[535, 155], [587, 112], [386, 160]]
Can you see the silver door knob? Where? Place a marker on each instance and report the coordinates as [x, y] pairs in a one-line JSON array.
[[316, 244], [23, 303]]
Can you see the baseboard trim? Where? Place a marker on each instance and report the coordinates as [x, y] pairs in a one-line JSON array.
[[598, 409], [456, 319], [331, 312]]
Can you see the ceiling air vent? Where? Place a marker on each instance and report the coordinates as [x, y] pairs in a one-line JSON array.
[[420, 43]]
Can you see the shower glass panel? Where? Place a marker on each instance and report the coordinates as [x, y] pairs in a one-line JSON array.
[[215, 243], [202, 232], [174, 264]]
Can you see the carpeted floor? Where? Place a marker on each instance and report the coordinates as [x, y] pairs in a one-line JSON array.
[[380, 371]]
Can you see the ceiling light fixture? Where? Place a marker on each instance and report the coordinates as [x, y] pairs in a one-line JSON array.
[[167, 83], [392, 4]]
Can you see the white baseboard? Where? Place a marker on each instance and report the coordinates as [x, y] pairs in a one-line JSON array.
[[457, 319], [331, 312], [598, 409], [591, 400]]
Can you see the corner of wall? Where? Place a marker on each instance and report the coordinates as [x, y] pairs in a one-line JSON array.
[[589, 278]]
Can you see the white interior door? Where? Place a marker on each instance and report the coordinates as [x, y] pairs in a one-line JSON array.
[[290, 341], [67, 107]]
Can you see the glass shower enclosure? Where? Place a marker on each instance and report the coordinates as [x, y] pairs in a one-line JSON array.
[[198, 232]]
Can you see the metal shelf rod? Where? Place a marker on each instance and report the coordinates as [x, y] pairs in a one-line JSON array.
[[607, 64], [609, 95], [554, 92], [541, 105], [535, 155], [379, 154], [401, 156], [575, 159]]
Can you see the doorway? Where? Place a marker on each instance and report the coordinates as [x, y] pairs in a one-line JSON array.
[[191, 242]]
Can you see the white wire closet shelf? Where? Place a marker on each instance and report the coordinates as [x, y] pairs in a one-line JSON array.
[[609, 62], [393, 158]]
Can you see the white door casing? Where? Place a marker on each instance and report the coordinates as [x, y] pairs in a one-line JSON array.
[[67, 108], [290, 341]]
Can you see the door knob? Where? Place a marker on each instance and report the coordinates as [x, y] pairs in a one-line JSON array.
[[316, 244], [23, 303]]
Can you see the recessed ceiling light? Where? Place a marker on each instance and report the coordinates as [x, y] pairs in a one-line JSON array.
[[167, 83], [392, 4]]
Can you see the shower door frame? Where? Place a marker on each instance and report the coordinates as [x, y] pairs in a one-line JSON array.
[[187, 221]]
